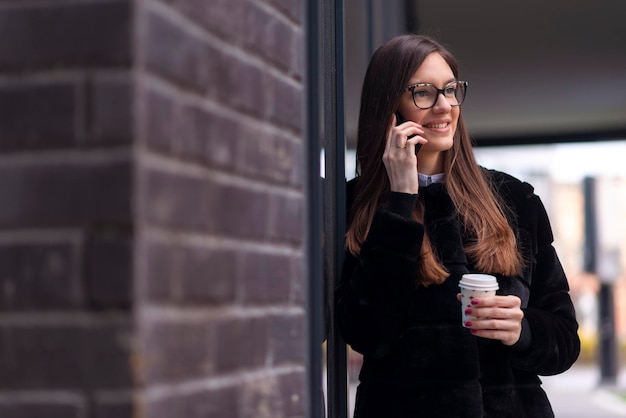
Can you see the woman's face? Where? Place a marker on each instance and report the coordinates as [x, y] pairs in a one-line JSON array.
[[440, 121]]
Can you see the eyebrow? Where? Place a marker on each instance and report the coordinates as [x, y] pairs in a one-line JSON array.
[[452, 80]]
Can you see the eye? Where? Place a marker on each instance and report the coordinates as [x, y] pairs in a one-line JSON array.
[[422, 91], [450, 90]]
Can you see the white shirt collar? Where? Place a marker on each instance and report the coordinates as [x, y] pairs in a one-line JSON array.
[[425, 180]]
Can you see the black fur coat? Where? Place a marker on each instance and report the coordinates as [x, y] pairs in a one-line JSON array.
[[418, 359]]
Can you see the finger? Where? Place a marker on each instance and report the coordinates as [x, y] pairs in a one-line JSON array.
[[504, 301], [417, 139], [389, 140], [497, 313], [400, 137], [493, 328], [411, 129], [409, 136], [490, 324]]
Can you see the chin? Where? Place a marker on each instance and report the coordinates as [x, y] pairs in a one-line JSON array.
[[439, 144]]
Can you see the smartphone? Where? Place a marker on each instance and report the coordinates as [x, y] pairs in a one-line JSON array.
[[400, 119]]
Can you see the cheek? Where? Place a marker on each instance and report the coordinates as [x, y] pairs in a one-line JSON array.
[[406, 107], [455, 117], [456, 113]]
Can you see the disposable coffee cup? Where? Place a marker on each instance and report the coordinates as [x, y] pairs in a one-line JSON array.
[[475, 286]]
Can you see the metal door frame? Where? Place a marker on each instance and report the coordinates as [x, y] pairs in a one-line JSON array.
[[325, 114]]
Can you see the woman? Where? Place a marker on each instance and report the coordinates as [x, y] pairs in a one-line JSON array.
[[416, 224]]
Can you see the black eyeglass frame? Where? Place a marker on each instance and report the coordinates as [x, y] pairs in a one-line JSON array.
[[461, 84]]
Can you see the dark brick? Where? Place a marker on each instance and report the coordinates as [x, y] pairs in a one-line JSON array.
[[269, 36], [266, 278], [179, 201], [267, 155], [208, 138], [221, 17], [219, 102], [178, 350], [292, 9], [65, 194], [222, 139], [245, 87], [281, 44], [256, 21], [108, 259], [298, 171], [219, 402], [274, 396], [285, 101], [156, 284], [191, 274], [196, 134], [92, 34], [242, 212], [40, 409], [159, 119], [188, 61], [39, 276], [114, 406], [288, 338], [225, 84], [261, 398], [88, 355], [292, 389], [192, 130], [38, 116], [186, 202], [298, 281], [208, 275], [242, 343], [111, 115], [287, 218], [187, 131], [298, 65]]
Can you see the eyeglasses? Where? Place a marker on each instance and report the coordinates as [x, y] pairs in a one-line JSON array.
[[425, 95]]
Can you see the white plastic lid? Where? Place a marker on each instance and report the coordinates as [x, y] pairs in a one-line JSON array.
[[479, 282]]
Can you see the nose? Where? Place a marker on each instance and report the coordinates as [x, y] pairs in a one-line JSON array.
[[442, 104]]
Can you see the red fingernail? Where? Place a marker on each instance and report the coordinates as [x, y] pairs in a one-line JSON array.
[[473, 331], [474, 301], [468, 311], [468, 323]]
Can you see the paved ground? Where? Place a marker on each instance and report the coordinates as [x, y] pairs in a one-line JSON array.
[[577, 394]]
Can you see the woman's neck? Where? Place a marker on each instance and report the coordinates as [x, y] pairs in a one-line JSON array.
[[430, 163]]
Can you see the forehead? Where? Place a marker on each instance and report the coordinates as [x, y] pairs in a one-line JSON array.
[[434, 70]]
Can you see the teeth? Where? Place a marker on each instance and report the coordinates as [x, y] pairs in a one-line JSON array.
[[437, 126]]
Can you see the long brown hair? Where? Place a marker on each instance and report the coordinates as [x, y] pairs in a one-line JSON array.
[[494, 247]]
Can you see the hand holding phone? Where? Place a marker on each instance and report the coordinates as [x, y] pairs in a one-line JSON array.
[[399, 120]]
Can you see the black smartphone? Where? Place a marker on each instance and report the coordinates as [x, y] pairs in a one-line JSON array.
[[400, 119]]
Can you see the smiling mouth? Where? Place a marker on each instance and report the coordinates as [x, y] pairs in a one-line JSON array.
[[437, 125]]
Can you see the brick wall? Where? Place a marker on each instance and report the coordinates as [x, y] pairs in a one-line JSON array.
[[152, 208]]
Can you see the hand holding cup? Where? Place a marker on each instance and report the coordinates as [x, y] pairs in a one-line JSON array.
[[488, 315]]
